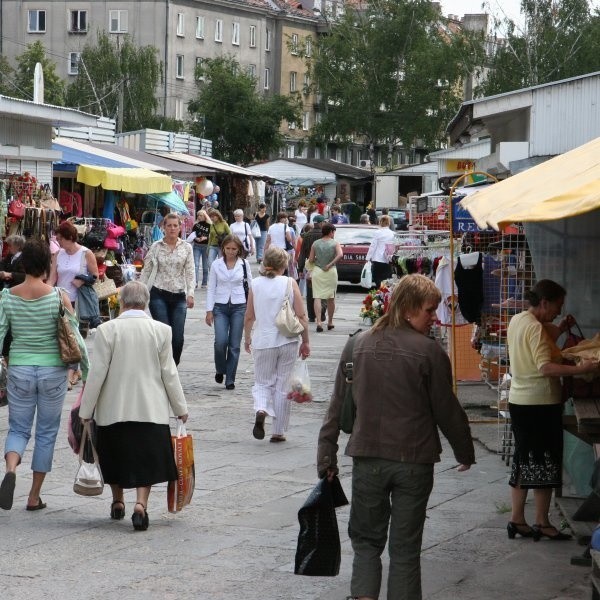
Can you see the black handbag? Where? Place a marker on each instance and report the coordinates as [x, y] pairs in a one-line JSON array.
[[94, 238]]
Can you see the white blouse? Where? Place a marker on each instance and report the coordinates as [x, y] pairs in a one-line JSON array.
[[376, 252], [226, 285]]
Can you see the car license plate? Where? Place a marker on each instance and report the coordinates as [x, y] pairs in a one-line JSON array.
[[354, 257]]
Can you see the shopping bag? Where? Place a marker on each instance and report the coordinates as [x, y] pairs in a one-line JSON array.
[[299, 384], [88, 479], [366, 276], [179, 493], [255, 229], [319, 551]]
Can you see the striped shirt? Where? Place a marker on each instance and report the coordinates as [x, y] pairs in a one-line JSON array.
[[33, 324]]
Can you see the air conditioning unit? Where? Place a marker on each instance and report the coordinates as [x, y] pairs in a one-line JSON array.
[[365, 164]]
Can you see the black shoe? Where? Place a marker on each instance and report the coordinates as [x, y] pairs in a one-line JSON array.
[[259, 425], [538, 532], [230, 386], [117, 512], [521, 528], [219, 377], [140, 520]]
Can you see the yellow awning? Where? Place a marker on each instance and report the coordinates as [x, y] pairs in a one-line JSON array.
[[136, 181], [564, 186]]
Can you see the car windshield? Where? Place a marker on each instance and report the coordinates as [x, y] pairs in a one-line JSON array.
[[354, 235]]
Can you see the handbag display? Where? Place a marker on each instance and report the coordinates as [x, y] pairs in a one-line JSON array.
[[67, 341], [286, 320], [180, 492], [88, 479], [16, 209], [105, 288]]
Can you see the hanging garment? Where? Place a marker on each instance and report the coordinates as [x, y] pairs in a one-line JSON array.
[[470, 289]]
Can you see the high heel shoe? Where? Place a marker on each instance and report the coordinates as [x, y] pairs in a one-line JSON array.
[[539, 533], [140, 520], [117, 513], [514, 528]]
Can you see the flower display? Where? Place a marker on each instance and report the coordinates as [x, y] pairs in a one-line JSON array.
[[376, 303]]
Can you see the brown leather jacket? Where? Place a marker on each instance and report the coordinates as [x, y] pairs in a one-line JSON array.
[[402, 388]]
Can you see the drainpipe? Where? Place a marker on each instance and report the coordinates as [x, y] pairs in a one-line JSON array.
[[1, 19], [166, 61]]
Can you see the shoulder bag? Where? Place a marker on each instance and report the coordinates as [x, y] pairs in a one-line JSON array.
[[88, 480], [288, 245], [245, 280], [67, 341], [286, 320]]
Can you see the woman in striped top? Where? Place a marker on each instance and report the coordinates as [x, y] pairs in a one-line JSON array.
[[37, 377]]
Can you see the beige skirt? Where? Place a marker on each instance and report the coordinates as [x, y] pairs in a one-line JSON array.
[[324, 283]]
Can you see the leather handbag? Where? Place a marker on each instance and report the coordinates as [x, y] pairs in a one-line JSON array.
[[114, 231], [286, 320], [88, 479], [67, 341]]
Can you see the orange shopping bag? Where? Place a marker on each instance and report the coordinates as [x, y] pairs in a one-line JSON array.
[[179, 493]]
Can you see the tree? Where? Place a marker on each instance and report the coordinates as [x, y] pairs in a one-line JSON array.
[[6, 75], [390, 74], [54, 87], [117, 72], [560, 39], [243, 125]]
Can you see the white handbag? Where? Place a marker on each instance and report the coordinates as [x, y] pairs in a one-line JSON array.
[[286, 320], [88, 480]]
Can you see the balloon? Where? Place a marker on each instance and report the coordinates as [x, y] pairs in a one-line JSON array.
[[205, 187], [214, 197]]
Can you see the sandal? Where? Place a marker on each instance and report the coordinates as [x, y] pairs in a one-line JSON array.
[[39, 506], [330, 327], [259, 425], [277, 438], [140, 520], [117, 513]]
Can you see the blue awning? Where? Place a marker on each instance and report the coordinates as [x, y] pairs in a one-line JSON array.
[[72, 158], [172, 200]]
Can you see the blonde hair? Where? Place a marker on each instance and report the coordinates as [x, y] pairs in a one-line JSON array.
[[275, 259], [172, 215], [409, 295], [385, 221], [202, 213]]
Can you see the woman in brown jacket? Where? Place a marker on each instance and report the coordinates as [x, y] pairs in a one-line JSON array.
[[395, 441]]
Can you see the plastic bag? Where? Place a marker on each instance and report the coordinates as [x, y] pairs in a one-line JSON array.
[[366, 276], [300, 390], [255, 229], [180, 492]]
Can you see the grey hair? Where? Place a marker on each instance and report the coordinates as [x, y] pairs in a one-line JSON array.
[[134, 294], [364, 219], [238, 212], [18, 241]]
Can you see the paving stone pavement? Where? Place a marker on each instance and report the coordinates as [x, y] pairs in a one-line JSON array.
[[237, 539]]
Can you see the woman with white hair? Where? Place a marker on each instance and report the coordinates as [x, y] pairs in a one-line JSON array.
[[241, 229], [134, 439]]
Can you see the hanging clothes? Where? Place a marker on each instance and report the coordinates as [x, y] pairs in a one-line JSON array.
[[470, 288]]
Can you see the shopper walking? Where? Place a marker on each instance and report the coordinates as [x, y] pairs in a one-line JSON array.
[[134, 439], [37, 376], [380, 265], [279, 233], [308, 239], [263, 220], [241, 229], [228, 284], [274, 354], [201, 231], [218, 232], [169, 274]]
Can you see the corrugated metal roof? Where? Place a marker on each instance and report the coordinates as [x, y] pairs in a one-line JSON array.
[[211, 164], [426, 167], [289, 170], [44, 113], [333, 166], [477, 149]]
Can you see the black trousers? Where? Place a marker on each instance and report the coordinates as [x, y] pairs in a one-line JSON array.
[[381, 271], [310, 303]]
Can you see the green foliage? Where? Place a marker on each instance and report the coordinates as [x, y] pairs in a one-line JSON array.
[[391, 73], [165, 124], [561, 39], [243, 124], [6, 75], [115, 70], [54, 87]]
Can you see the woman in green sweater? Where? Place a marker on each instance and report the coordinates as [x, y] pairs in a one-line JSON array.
[[218, 232]]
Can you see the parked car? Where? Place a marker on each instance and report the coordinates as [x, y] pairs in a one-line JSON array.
[[355, 241], [399, 217]]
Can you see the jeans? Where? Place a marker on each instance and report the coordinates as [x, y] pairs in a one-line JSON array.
[[382, 489], [201, 252], [229, 326], [213, 253], [32, 390], [170, 309], [260, 245]]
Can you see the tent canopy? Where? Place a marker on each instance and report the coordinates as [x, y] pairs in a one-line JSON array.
[[172, 200], [564, 186], [136, 181]]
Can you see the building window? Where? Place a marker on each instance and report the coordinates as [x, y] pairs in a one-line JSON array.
[[292, 125], [308, 47], [179, 66], [306, 86], [179, 109], [73, 67], [267, 78], [218, 30], [291, 151], [338, 154], [235, 34], [252, 71], [268, 41], [317, 118], [252, 36], [36, 21], [294, 44], [200, 28], [180, 25], [78, 21], [117, 21], [292, 81], [305, 121], [199, 76], [317, 152]]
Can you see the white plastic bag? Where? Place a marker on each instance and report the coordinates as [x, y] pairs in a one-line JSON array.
[[366, 276], [299, 386], [255, 229], [190, 238]]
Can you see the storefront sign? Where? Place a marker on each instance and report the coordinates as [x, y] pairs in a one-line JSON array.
[[465, 165], [462, 221]]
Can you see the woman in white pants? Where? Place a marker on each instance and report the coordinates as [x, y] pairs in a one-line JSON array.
[[274, 354]]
